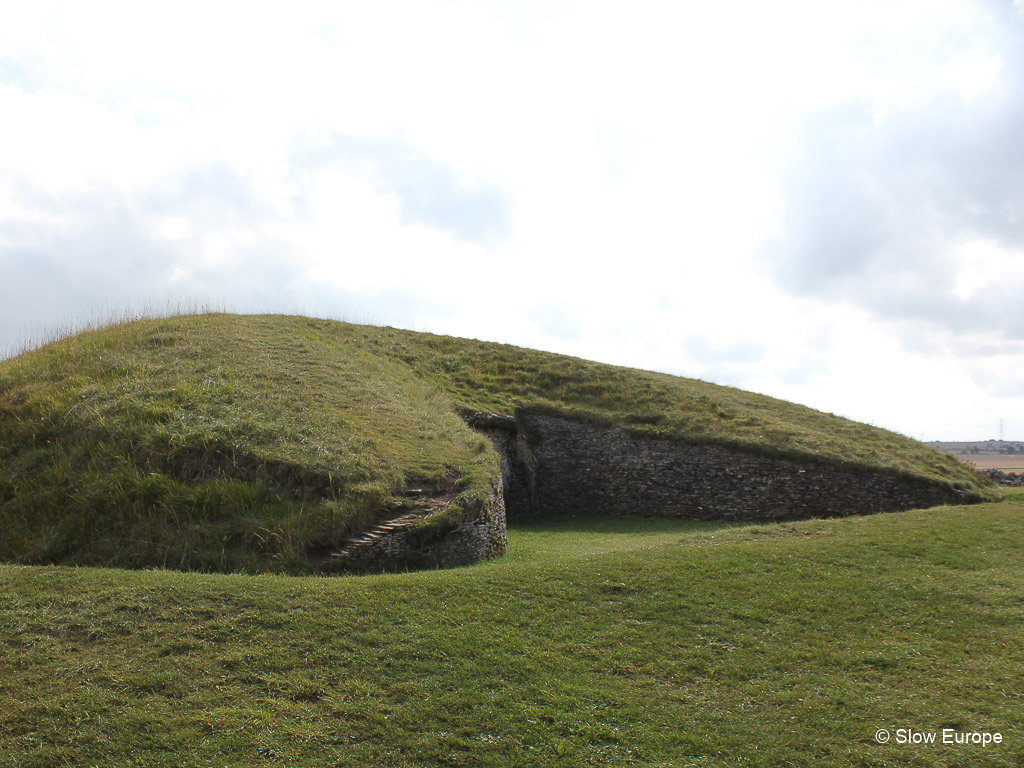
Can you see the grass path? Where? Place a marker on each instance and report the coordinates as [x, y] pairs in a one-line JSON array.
[[595, 642]]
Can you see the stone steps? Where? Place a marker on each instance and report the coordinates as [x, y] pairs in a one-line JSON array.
[[371, 535]]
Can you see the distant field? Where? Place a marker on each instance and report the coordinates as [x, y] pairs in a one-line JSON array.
[[1007, 455], [1007, 463], [595, 642]]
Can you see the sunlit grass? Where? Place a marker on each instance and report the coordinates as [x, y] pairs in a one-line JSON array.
[[599, 641]]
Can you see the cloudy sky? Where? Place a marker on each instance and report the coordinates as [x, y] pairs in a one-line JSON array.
[[819, 201]]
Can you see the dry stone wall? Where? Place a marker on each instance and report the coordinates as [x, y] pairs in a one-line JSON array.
[[554, 464]]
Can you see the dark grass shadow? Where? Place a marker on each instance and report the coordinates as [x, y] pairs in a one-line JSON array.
[[583, 522]]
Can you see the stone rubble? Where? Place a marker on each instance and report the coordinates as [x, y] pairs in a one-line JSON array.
[[1013, 479]]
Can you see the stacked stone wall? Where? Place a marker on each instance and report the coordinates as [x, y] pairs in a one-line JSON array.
[[576, 466]]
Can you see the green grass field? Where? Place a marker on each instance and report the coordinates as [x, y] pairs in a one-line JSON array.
[[596, 641]]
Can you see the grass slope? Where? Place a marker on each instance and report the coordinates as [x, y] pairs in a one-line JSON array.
[[222, 442], [597, 642]]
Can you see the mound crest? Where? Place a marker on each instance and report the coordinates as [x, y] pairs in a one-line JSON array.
[[288, 444]]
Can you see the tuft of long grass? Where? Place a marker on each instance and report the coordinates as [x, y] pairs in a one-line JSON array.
[[102, 317]]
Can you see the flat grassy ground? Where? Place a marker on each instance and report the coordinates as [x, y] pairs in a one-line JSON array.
[[595, 642]]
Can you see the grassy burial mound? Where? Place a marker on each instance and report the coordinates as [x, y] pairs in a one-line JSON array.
[[270, 443]]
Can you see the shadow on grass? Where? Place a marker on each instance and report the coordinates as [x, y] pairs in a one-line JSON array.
[[580, 522], [575, 535]]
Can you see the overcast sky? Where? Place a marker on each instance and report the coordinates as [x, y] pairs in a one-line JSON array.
[[819, 201]]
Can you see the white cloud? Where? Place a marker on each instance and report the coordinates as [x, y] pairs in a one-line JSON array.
[[984, 264], [571, 176]]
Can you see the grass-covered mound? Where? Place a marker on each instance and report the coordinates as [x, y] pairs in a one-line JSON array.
[[222, 442], [214, 442]]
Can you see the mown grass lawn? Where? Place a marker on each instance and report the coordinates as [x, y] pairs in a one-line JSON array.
[[595, 642]]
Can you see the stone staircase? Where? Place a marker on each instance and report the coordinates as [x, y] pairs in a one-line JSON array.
[[370, 535], [423, 502]]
